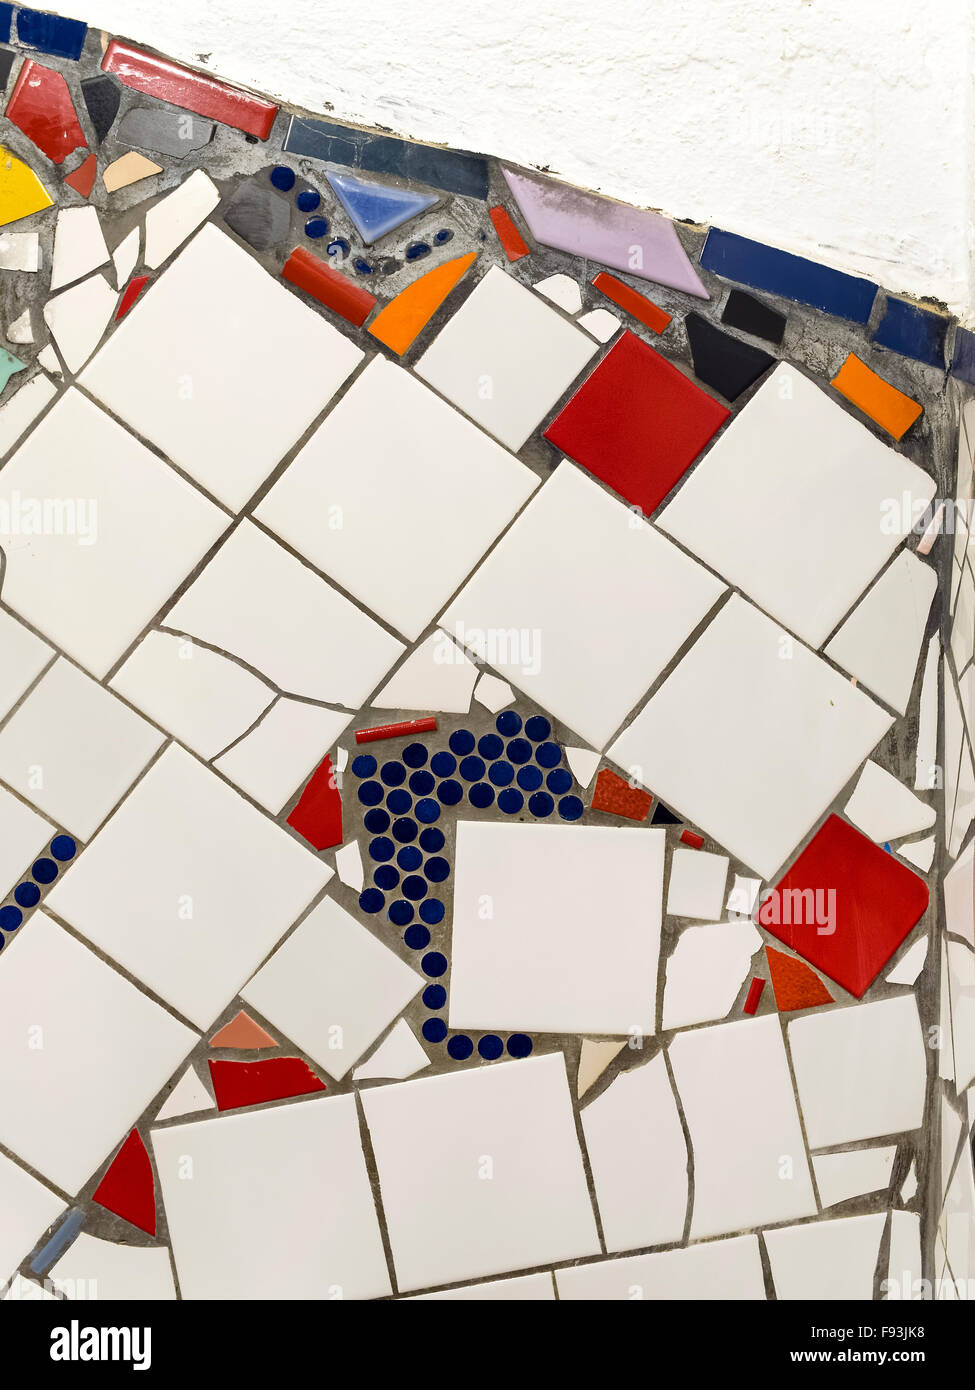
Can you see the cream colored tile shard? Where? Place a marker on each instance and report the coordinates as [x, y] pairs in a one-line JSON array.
[[884, 809], [842, 1176], [398, 1056], [22, 408], [706, 972], [126, 255], [49, 360], [826, 1259], [715, 1269], [561, 290], [21, 330], [582, 763], [594, 1057], [525, 1288], [920, 853], [904, 1263], [101, 1271], [78, 317], [910, 965], [27, 1208], [79, 246], [493, 693], [130, 168], [348, 865], [187, 1096], [24, 657], [438, 676], [697, 882], [600, 323], [177, 216], [271, 762], [20, 251]]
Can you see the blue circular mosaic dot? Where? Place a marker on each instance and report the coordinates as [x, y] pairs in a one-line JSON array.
[[519, 750], [372, 900], [416, 937], [431, 840], [10, 918], [316, 228], [541, 804], [404, 830], [63, 847], [45, 871], [559, 781], [519, 1045], [427, 811], [461, 742], [570, 808], [376, 820], [501, 774], [443, 764], [414, 887], [510, 801], [460, 1047], [490, 1047], [434, 1030], [437, 870], [370, 793], [490, 746], [434, 996], [364, 765], [381, 849], [529, 778], [393, 774], [432, 911], [481, 795], [283, 178], [471, 769], [361, 267], [27, 894], [417, 250], [386, 877], [422, 783], [434, 964], [399, 801], [508, 723], [400, 913], [308, 200], [450, 792], [443, 236], [548, 755], [409, 859], [338, 247], [415, 754], [537, 728]]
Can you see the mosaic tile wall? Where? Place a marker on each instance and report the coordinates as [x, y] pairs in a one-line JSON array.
[[485, 711]]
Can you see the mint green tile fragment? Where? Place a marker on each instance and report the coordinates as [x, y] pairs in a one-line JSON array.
[[9, 365]]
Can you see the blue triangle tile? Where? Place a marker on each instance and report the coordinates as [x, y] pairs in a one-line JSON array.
[[376, 209]]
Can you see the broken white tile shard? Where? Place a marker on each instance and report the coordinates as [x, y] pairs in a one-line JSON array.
[[826, 1259], [398, 1056], [743, 896], [910, 965], [600, 323], [697, 881], [638, 1158], [725, 1269], [741, 511], [27, 1208], [274, 759], [437, 676], [909, 1185], [582, 763], [504, 1187], [920, 853], [734, 1085], [49, 360], [493, 693], [21, 251], [348, 865], [904, 1263], [842, 1176], [860, 1072], [706, 972], [961, 981], [187, 1097], [125, 256], [22, 409], [946, 1058], [113, 1271], [21, 329], [24, 657], [78, 317], [175, 217], [22, 834], [884, 808], [561, 290], [545, 886], [79, 246], [958, 890], [524, 1288], [595, 1056], [751, 737]]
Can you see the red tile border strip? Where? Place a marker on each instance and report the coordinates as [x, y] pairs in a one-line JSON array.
[[158, 77], [632, 301], [335, 291]]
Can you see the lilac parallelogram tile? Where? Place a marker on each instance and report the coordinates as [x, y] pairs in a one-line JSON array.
[[626, 238]]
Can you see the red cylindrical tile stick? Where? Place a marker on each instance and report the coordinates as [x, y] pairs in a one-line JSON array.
[[754, 995], [408, 726]]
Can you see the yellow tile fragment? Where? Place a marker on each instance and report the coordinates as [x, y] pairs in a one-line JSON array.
[[21, 191]]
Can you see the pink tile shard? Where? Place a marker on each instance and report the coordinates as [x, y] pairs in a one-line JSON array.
[[631, 239]]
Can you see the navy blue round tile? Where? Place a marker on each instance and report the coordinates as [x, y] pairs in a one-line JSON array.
[[437, 870], [381, 849], [422, 783], [508, 723], [432, 911], [541, 804], [370, 793], [434, 996], [316, 228], [415, 754], [510, 801], [427, 811], [461, 742], [559, 780], [450, 792], [376, 820], [393, 774], [481, 795], [399, 801], [417, 250], [409, 859], [490, 1047], [443, 764], [519, 750], [416, 937], [460, 1047], [548, 755], [519, 1045], [490, 746], [372, 900], [431, 840], [501, 774], [308, 200], [434, 1030], [45, 871], [364, 765], [537, 728], [570, 808], [404, 831], [529, 778], [63, 847], [400, 913], [283, 178], [27, 894], [414, 887], [10, 918], [444, 235], [386, 877], [471, 769], [434, 964]]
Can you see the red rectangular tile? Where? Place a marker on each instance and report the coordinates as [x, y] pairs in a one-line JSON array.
[[632, 301], [335, 291], [158, 77], [509, 236]]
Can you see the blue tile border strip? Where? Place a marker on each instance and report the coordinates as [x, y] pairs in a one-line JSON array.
[[49, 33], [913, 332], [792, 277]]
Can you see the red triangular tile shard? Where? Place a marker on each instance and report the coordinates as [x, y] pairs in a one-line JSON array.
[[128, 1188]]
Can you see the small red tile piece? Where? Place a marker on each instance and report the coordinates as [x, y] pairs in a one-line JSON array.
[[632, 301], [337, 292], [637, 423], [243, 1033], [132, 291], [514, 244], [42, 108], [796, 986], [253, 1083], [754, 995], [194, 91], [617, 798], [844, 905], [688, 837], [408, 726], [83, 178], [128, 1188], [318, 814]]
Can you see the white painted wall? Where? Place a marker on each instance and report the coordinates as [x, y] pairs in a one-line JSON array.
[[841, 128]]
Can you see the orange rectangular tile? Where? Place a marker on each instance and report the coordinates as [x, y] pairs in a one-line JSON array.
[[888, 407], [632, 301], [515, 245]]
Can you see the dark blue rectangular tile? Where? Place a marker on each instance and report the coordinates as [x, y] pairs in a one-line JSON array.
[[49, 33], [913, 332], [6, 14], [963, 356], [793, 277], [450, 170]]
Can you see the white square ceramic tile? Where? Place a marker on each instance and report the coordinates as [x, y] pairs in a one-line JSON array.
[[72, 749], [501, 1189], [279, 1207], [22, 834], [123, 531], [221, 367], [751, 737], [531, 894], [826, 1259], [505, 358], [697, 881], [77, 1034], [734, 1085], [332, 988], [274, 759], [101, 1270], [396, 497], [581, 604], [23, 656], [789, 504], [188, 887], [27, 1208], [860, 1072], [260, 604], [725, 1269]]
